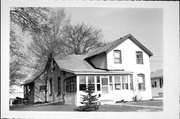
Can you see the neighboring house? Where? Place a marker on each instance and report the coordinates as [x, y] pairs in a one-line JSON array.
[[15, 91], [157, 83], [117, 71]]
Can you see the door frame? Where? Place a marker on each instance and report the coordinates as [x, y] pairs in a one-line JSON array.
[[102, 85]]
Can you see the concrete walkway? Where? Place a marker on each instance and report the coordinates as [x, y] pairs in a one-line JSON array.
[[140, 106]]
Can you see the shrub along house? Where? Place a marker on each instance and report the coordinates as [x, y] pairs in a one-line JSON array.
[[120, 70]]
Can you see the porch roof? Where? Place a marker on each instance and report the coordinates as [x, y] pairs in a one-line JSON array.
[[103, 72], [77, 65]]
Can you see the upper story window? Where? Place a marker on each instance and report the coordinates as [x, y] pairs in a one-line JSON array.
[[117, 56], [139, 57]]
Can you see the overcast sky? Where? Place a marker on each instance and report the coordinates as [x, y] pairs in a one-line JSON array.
[[144, 24]]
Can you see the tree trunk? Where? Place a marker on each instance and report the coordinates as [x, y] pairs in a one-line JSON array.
[[46, 90]]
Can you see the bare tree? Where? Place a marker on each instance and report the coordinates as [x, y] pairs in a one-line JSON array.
[[47, 44], [29, 18], [16, 57], [81, 38]]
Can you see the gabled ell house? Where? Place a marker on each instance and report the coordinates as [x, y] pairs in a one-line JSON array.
[[120, 70]]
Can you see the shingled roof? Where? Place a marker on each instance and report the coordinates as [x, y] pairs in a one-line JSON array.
[[157, 74], [77, 65], [73, 62], [110, 46], [35, 75]]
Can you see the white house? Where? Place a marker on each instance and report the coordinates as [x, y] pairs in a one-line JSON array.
[[157, 83], [120, 70]]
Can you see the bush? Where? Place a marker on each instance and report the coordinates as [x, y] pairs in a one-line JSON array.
[[89, 101]]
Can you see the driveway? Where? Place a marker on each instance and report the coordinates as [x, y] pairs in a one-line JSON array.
[[145, 106]]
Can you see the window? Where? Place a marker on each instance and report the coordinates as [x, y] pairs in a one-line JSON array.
[[42, 88], [117, 82], [141, 82], [131, 82], [117, 56], [59, 85], [139, 57], [70, 84], [98, 84], [82, 83], [51, 88], [25, 89], [110, 83], [91, 82], [124, 82], [154, 84], [161, 82]]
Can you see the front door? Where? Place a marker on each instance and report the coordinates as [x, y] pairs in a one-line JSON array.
[[105, 86]]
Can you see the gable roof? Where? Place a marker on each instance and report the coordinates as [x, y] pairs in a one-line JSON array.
[[157, 74], [35, 75], [110, 46]]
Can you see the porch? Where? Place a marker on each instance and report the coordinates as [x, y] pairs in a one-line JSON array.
[[107, 87]]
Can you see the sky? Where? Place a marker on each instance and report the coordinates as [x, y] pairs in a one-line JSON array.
[[145, 24]]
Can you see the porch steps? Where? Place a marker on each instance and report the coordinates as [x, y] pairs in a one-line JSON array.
[[107, 102]]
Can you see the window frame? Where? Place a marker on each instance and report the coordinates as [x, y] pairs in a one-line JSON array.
[[141, 86], [70, 85], [91, 84], [110, 83], [119, 58], [160, 82], [84, 83], [50, 86], [59, 86], [125, 85], [141, 59], [117, 83], [98, 83]]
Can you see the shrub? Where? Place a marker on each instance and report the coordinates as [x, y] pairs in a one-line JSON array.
[[89, 101]]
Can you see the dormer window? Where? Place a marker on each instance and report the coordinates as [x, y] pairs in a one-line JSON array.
[[139, 57], [117, 56]]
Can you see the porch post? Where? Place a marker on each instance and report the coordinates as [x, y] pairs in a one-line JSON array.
[[113, 82], [77, 91], [95, 83], [62, 87]]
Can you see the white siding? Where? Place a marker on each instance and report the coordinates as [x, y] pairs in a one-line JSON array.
[[156, 91], [128, 54]]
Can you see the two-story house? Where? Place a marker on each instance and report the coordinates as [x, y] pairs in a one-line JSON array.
[[120, 70]]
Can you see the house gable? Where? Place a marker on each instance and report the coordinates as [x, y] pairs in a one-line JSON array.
[[98, 61], [128, 51], [98, 58], [110, 46], [134, 40]]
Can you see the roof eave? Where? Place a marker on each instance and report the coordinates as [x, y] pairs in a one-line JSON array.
[[103, 73], [33, 79]]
